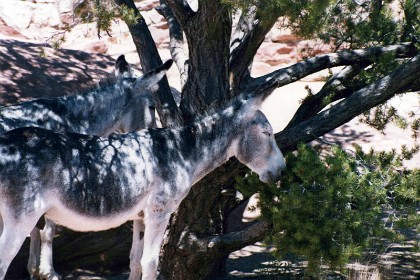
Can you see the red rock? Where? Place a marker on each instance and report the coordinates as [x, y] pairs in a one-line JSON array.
[[96, 47], [274, 54]]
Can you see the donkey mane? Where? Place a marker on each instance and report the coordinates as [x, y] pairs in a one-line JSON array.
[[104, 89], [227, 110]]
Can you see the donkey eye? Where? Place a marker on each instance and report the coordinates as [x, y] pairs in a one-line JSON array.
[[267, 133]]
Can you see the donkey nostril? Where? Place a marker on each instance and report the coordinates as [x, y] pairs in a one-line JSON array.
[[282, 171]]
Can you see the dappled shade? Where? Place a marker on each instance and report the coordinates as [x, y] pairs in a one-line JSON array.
[[25, 73]]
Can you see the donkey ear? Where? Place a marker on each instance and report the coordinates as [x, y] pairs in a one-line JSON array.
[[122, 68], [251, 103], [151, 78]]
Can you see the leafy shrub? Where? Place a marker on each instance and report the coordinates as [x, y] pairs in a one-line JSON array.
[[330, 209]]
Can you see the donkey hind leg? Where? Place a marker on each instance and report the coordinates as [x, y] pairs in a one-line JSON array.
[[136, 249], [156, 224], [11, 239], [46, 269], [34, 252]]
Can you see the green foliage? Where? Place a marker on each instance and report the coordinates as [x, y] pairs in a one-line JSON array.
[[383, 114], [331, 209], [103, 12], [354, 24], [411, 25]]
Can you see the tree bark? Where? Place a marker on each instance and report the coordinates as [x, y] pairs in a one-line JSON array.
[[150, 59], [207, 33]]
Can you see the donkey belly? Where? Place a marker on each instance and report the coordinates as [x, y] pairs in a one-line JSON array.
[[79, 221]]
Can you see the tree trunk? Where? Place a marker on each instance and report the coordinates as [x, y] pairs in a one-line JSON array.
[[186, 254]]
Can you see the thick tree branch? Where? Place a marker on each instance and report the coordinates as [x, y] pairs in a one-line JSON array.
[[264, 85], [149, 58], [247, 38], [233, 241], [182, 10], [359, 102], [333, 90], [226, 243], [176, 43]]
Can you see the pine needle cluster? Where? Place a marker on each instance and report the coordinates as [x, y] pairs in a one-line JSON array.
[[330, 209]]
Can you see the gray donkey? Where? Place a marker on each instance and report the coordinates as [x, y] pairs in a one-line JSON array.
[[89, 183], [112, 106], [122, 104]]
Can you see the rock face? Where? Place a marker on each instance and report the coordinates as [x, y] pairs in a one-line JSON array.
[[29, 70], [42, 19]]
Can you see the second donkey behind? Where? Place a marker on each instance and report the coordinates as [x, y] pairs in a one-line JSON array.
[[120, 104]]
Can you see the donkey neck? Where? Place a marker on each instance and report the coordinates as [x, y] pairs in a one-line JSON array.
[[100, 108], [199, 148]]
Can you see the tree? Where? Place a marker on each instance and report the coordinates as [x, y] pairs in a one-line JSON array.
[[380, 58]]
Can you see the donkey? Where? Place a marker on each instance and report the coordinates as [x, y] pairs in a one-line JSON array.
[[112, 106], [90, 183], [122, 104]]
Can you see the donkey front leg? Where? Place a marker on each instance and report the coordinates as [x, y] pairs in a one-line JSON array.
[[46, 269], [34, 253], [136, 249], [156, 224], [11, 239]]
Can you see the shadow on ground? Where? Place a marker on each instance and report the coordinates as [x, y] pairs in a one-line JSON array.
[[29, 70]]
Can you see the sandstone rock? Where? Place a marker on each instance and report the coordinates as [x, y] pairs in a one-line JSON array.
[[154, 16], [161, 25], [46, 15], [65, 6], [147, 5], [160, 36], [26, 74], [307, 48], [8, 31], [274, 54], [278, 35], [96, 47], [16, 14]]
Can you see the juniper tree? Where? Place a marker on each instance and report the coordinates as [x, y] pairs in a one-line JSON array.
[[379, 56], [345, 203]]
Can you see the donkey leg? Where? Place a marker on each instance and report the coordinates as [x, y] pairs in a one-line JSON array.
[[46, 269], [11, 239], [136, 249], [34, 252], [153, 237]]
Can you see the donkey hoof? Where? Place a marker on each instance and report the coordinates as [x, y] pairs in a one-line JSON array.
[[50, 276]]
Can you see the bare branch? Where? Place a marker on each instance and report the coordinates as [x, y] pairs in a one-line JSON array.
[[176, 43], [149, 58], [359, 102], [264, 85]]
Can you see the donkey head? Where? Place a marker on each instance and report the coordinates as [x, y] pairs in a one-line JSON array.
[[257, 148], [141, 110]]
